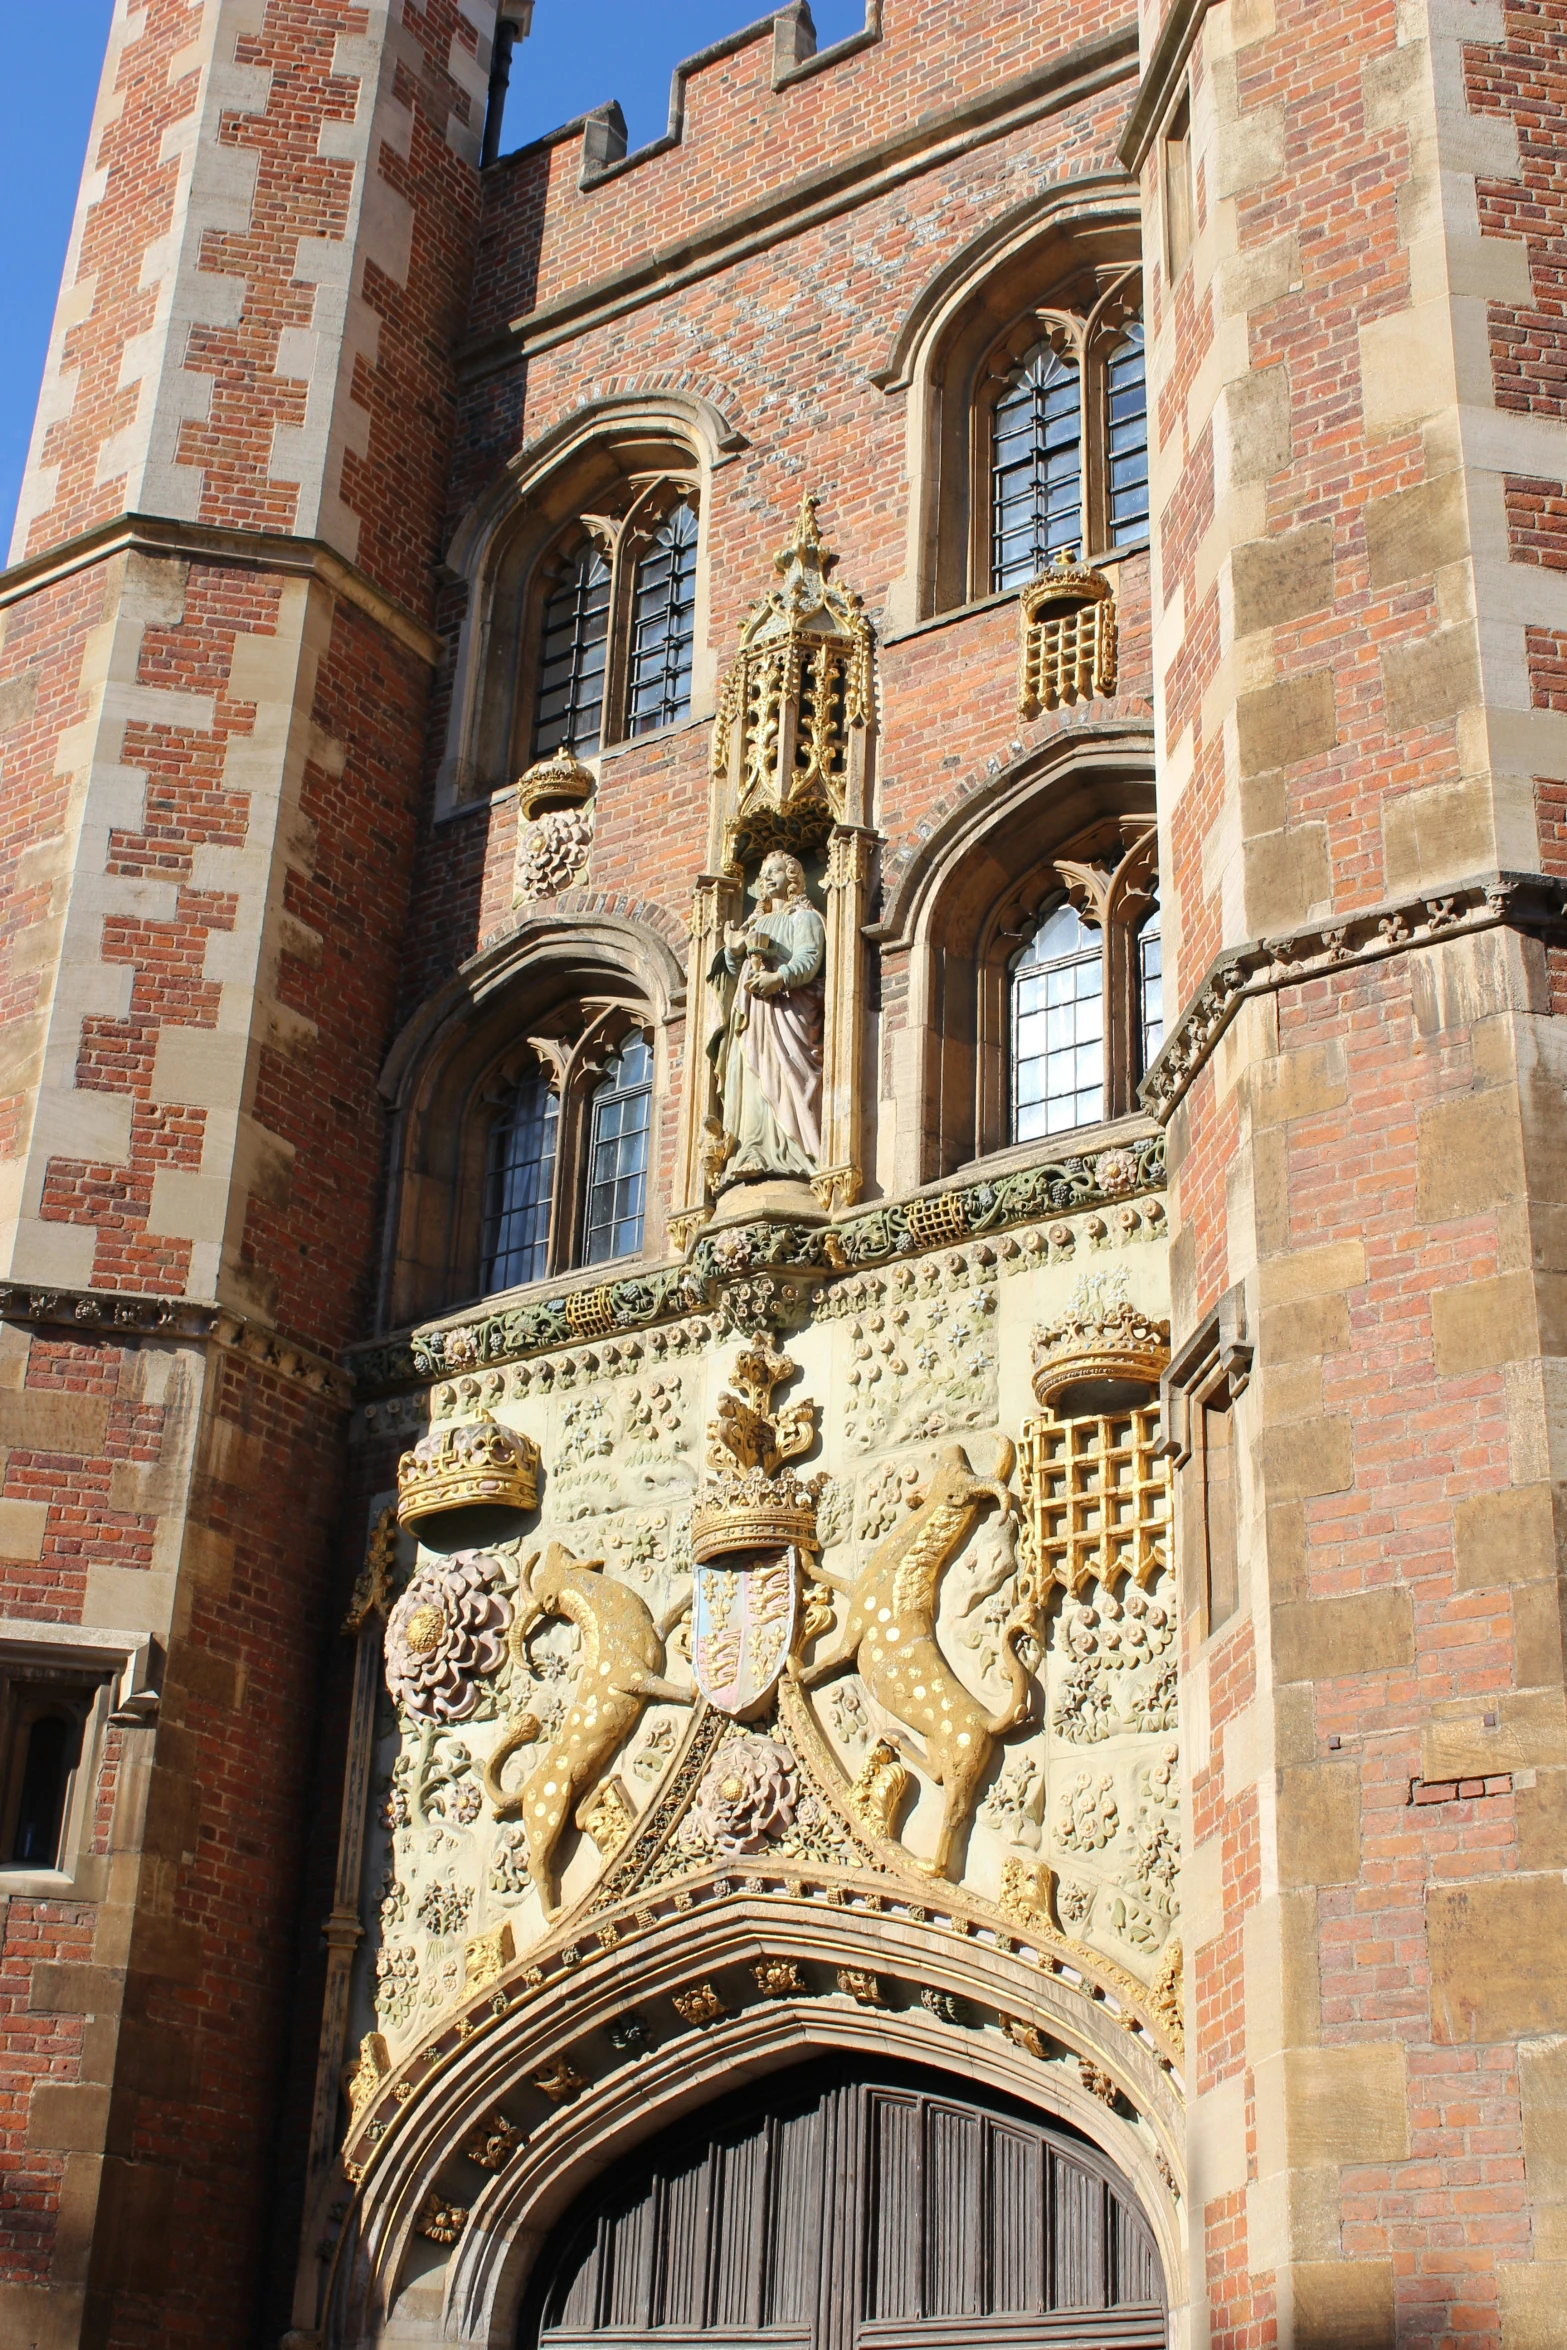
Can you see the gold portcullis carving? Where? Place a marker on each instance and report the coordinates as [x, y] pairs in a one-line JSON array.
[[1066, 637], [1096, 1493]]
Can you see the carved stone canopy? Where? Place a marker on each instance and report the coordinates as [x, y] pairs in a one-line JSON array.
[[789, 706]]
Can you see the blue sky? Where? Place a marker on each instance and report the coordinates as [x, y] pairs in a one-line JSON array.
[[581, 53]]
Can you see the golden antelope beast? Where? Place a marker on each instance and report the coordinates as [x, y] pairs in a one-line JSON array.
[[890, 1632]]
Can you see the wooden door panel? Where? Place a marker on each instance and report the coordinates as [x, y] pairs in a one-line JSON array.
[[877, 2210]]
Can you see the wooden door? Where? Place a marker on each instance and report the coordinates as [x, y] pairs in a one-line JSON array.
[[846, 2207]]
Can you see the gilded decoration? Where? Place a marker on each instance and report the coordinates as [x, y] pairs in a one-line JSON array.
[[467, 1462], [621, 1671], [886, 1233], [799, 687], [890, 1636], [1066, 637], [754, 1519], [554, 827], [1096, 1489], [614, 1779]]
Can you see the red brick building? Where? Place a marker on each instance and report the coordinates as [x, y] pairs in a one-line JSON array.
[[783, 1191]]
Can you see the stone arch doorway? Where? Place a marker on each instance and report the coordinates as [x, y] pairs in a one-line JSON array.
[[853, 2204]]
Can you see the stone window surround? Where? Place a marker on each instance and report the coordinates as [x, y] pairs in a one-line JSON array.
[[563, 991], [585, 471], [970, 910], [126, 1666], [1064, 252], [1213, 1366]]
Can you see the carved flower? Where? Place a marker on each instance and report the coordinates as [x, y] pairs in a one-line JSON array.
[[459, 1348], [749, 1794], [734, 1250], [1115, 1170], [446, 1632]]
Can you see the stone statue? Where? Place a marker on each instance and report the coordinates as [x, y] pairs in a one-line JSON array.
[[768, 1055]]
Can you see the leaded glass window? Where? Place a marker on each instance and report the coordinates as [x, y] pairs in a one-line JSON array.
[[617, 1155], [1036, 472], [519, 1180], [1058, 1029], [663, 626], [573, 645], [1150, 982], [1126, 437]]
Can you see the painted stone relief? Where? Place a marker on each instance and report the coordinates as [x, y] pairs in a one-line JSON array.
[[765, 1605]]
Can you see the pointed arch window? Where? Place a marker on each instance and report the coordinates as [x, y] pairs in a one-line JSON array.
[[613, 621], [1058, 1029], [1126, 436], [1036, 466], [519, 1183], [559, 1151], [573, 646], [663, 625], [622, 1109], [1086, 992], [1150, 985], [1060, 437]]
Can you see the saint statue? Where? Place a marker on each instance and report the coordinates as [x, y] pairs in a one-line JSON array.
[[768, 1055]]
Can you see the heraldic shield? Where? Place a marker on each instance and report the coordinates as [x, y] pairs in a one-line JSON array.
[[743, 1618]]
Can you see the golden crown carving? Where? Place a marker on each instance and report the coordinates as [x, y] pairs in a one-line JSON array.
[[1103, 1337], [560, 781], [467, 1461], [753, 1501]]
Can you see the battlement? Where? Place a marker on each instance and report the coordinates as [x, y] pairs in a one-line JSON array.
[[753, 120], [792, 32]]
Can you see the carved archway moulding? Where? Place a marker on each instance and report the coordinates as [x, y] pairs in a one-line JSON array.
[[1067, 781], [874, 1981], [638, 947]]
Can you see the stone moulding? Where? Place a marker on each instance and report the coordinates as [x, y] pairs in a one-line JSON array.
[[874, 1236], [1514, 901], [710, 1939], [128, 1314]]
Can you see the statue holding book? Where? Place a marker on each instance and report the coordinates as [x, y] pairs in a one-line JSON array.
[[768, 1054]]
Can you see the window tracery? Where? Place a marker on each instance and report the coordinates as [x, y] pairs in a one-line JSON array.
[[1061, 435], [566, 1148], [616, 621]]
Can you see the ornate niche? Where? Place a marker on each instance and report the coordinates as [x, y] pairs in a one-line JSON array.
[[791, 767], [1066, 637], [1097, 1530]]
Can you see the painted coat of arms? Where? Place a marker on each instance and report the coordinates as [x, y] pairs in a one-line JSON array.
[[748, 1532], [743, 1614]]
